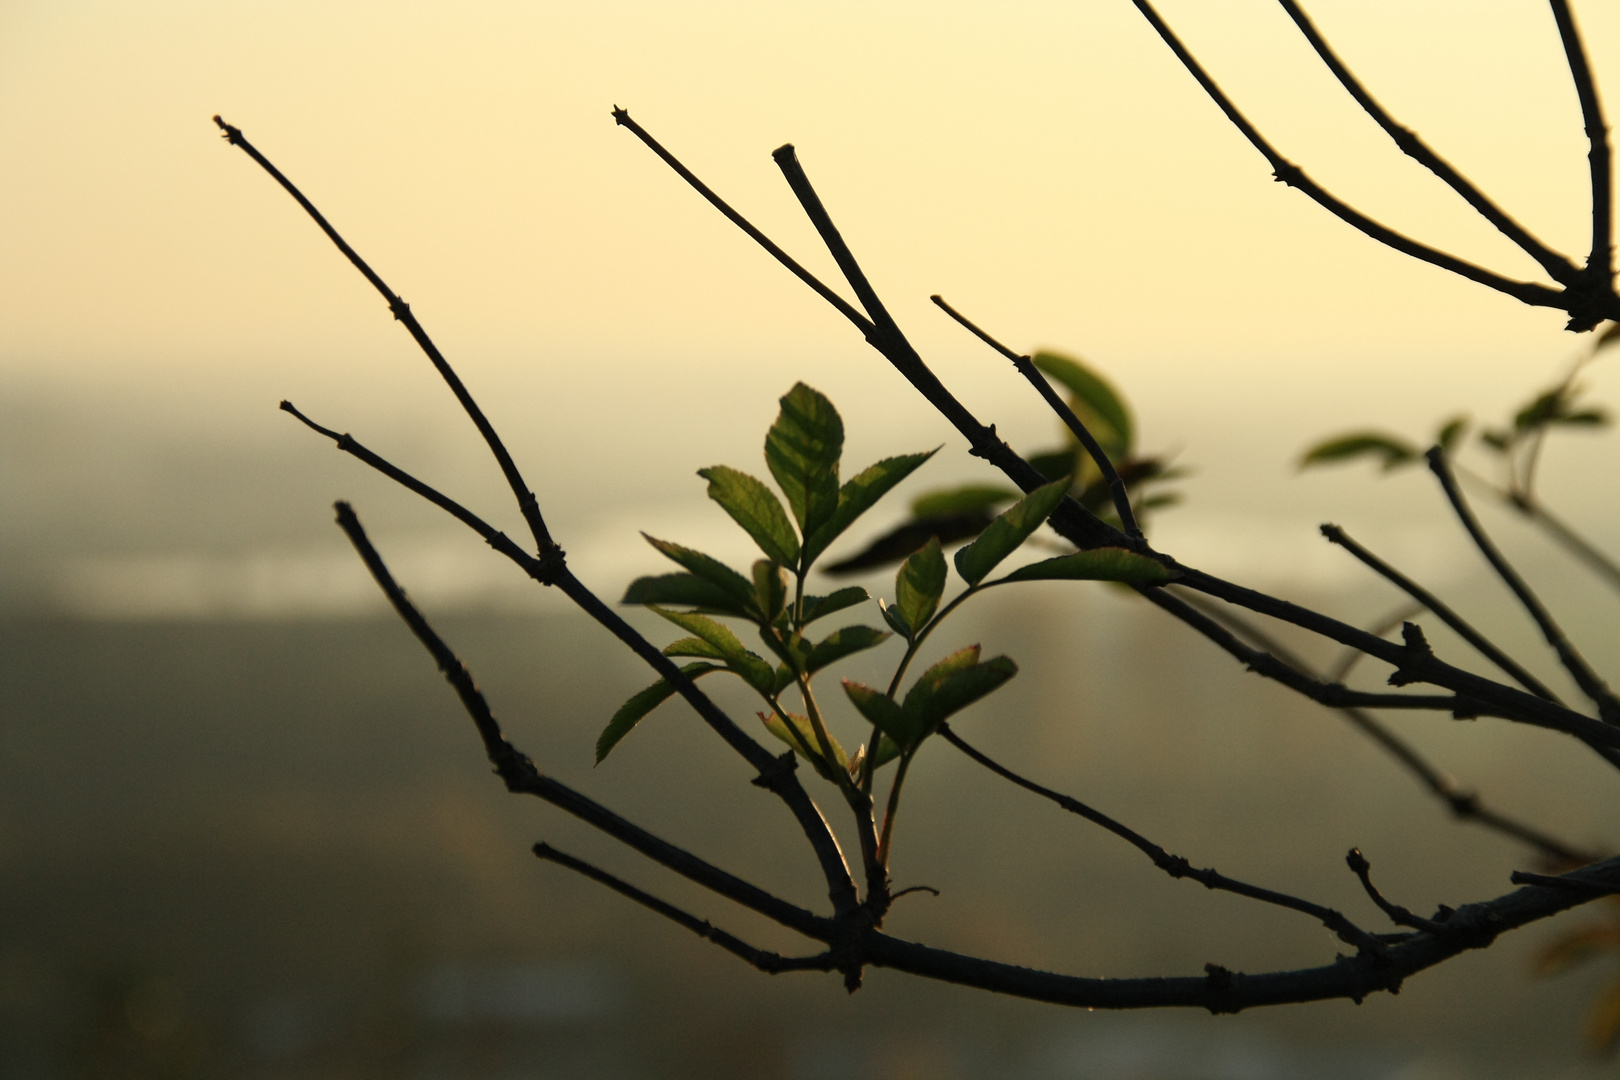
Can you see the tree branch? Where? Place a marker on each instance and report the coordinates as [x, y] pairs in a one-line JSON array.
[[1445, 614], [1463, 802], [1174, 865], [1589, 682], [768, 962], [527, 503], [1600, 265], [1557, 265], [1288, 173], [1026, 367]]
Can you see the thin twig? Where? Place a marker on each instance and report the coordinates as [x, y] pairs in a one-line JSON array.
[[1464, 803], [1398, 915], [1557, 266], [1174, 865], [1568, 881], [1589, 682], [1444, 613], [1600, 265], [1026, 367], [768, 962], [1383, 627], [527, 503], [1288, 173], [521, 775]]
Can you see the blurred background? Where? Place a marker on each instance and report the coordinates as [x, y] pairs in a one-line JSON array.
[[245, 830]]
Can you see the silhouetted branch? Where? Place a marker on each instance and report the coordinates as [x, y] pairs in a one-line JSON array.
[[521, 775], [1588, 301], [1567, 881], [1557, 265], [1441, 611], [1589, 682], [1383, 627], [1085, 530], [1398, 915], [1600, 265], [1174, 865], [1463, 802], [527, 502], [1026, 367], [768, 962]]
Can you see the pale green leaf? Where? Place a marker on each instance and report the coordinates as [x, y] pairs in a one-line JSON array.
[[858, 495], [1098, 564], [639, 705], [920, 583], [802, 451], [1010, 529], [757, 509]]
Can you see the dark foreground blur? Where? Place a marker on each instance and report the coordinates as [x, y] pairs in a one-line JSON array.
[[273, 850]]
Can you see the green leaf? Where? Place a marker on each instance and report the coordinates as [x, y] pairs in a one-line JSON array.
[[816, 607], [858, 495], [802, 450], [1496, 440], [639, 705], [841, 643], [1093, 400], [1542, 409], [1392, 450], [961, 500], [709, 569], [887, 751], [884, 713], [1585, 418], [1098, 564], [692, 646], [770, 588], [1008, 531], [1057, 464], [751, 666], [684, 589], [802, 737], [1450, 432], [895, 621], [920, 583], [952, 685], [757, 509]]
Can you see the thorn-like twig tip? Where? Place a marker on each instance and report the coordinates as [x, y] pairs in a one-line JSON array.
[[785, 152], [620, 115]]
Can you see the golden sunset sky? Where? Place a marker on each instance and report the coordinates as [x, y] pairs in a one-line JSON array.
[[1048, 167]]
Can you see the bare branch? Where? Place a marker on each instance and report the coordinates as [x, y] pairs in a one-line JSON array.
[[1444, 613], [1174, 865], [1557, 266], [1464, 803], [526, 500], [768, 962], [1288, 173], [1026, 367], [1398, 915], [1600, 265], [1587, 679]]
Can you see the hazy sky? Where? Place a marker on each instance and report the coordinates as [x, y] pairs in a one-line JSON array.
[[1049, 167]]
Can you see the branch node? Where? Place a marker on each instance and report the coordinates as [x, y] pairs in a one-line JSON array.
[[401, 310], [1418, 652], [781, 770], [1288, 173]]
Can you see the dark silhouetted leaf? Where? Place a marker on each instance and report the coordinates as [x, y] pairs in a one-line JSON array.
[[756, 508], [1099, 564], [858, 495], [970, 498], [684, 589], [920, 583], [1010, 529], [709, 569], [1496, 440], [1056, 464], [816, 607], [1098, 405], [802, 450], [631, 712], [1450, 432], [902, 540], [1585, 418], [1391, 450], [841, 643]]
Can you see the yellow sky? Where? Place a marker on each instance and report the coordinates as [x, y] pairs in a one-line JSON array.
[[1047, 166]]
